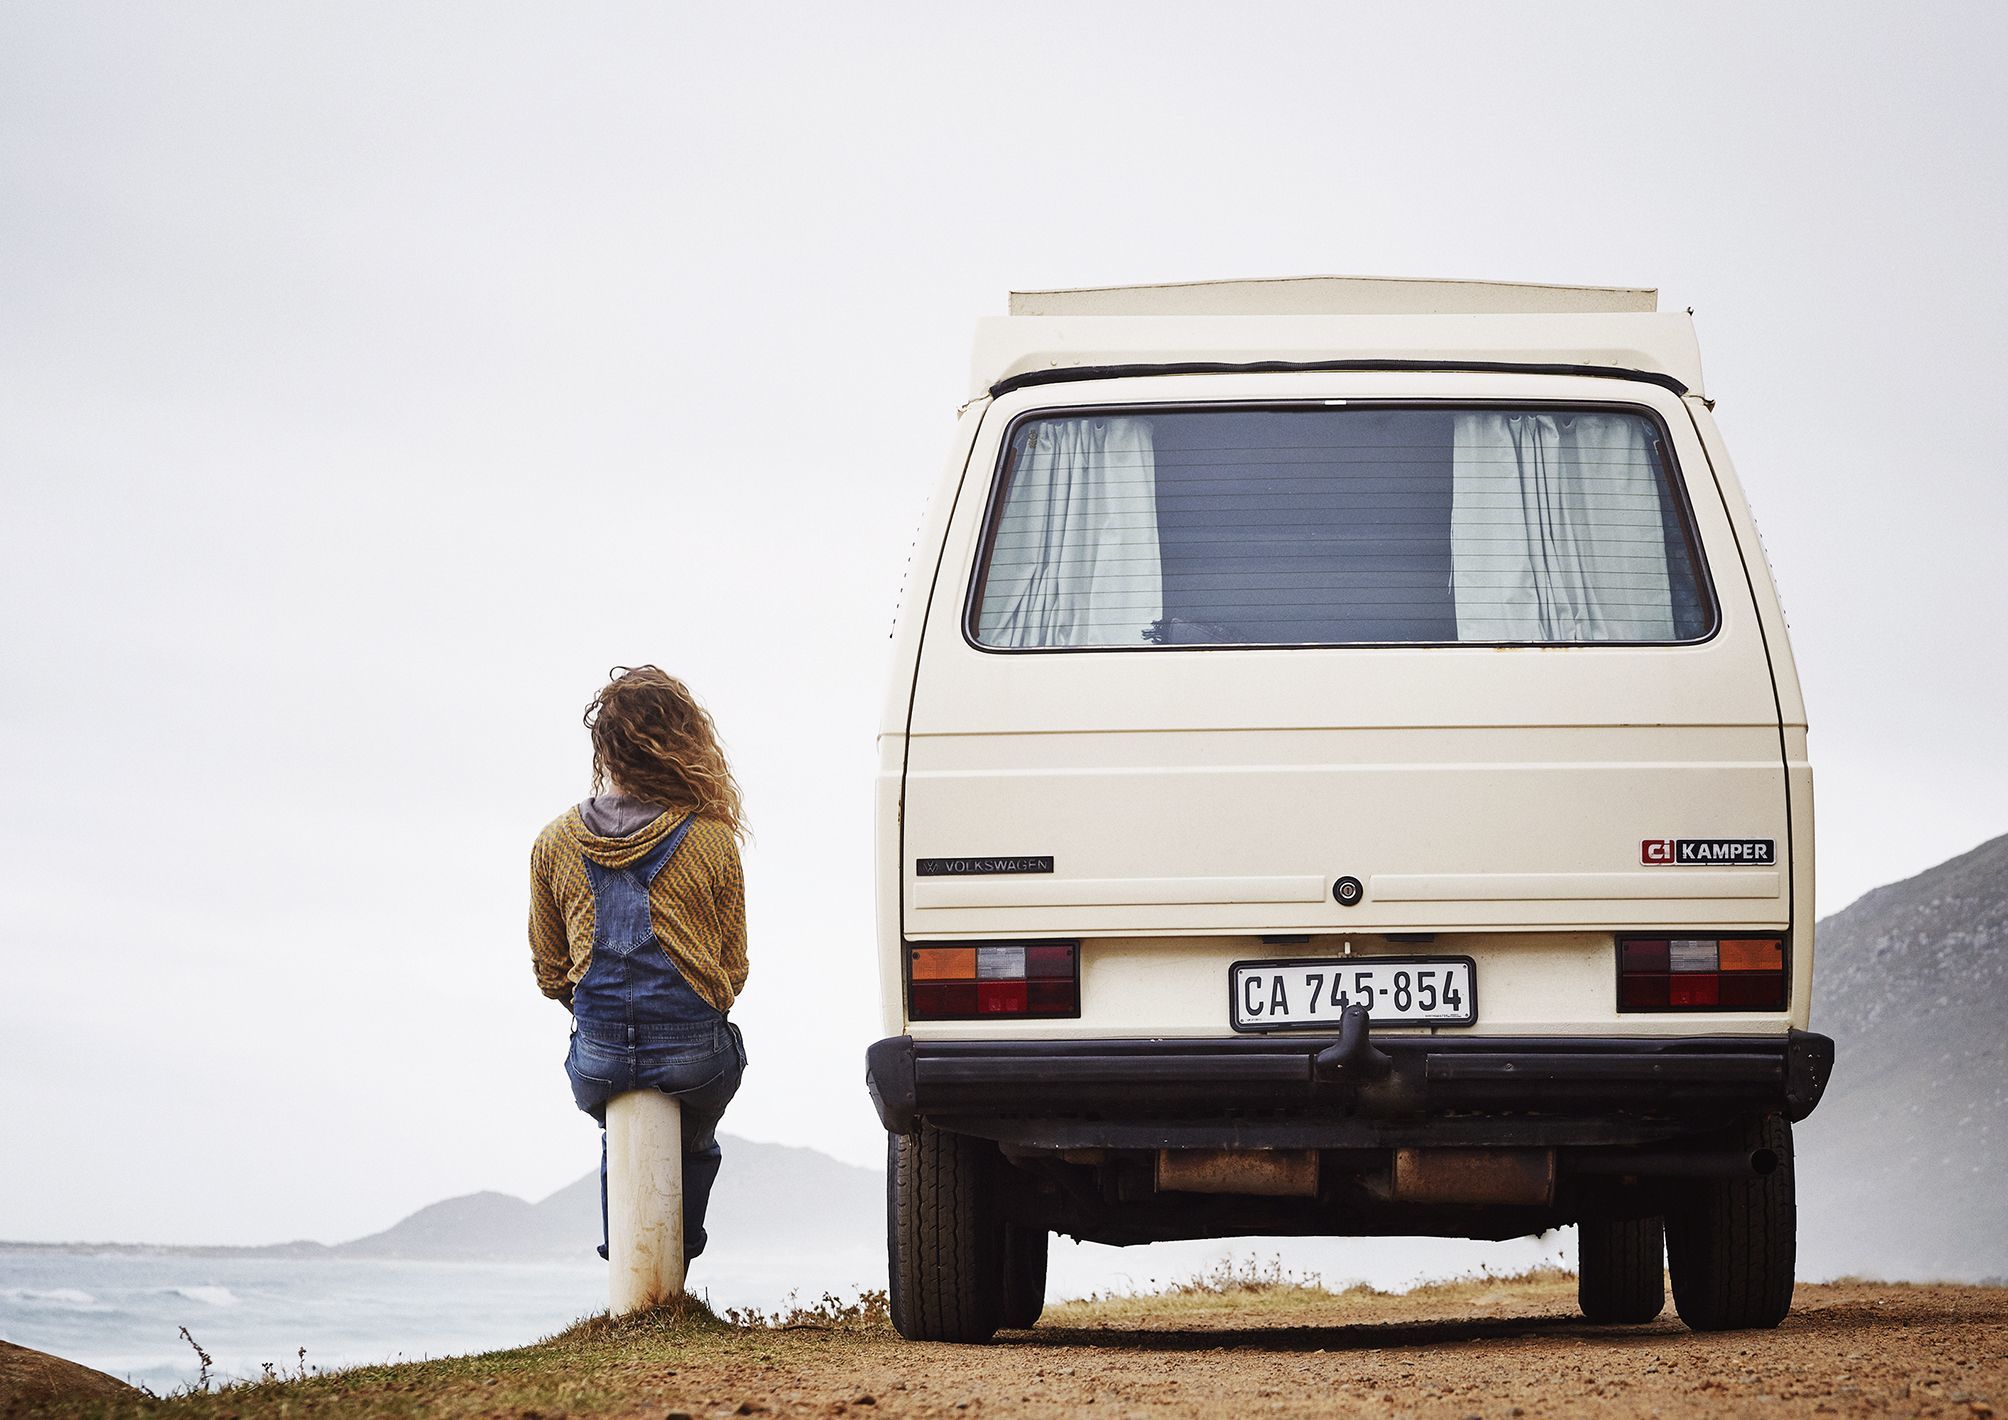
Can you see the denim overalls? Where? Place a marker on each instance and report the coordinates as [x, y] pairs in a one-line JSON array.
[[637, 1024]]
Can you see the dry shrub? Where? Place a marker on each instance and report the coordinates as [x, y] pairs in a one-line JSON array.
[[865, 1312]]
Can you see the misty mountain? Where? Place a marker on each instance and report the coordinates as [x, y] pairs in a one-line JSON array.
[[1901, 1168], [770, 1198]]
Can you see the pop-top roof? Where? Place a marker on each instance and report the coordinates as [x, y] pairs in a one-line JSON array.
[[1334, 296], [1332, 319]]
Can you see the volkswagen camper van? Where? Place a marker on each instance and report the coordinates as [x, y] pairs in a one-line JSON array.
[[1343, 774]]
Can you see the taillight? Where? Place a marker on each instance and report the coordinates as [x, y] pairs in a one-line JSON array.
[[1701, 974], [971, 980]]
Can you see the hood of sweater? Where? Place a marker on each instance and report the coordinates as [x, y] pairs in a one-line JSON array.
[[618, 815], [615, 831]]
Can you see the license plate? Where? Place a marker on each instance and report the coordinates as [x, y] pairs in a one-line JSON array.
[[1296, 995]]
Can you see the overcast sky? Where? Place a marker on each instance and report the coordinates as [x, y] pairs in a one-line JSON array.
[[373, 377]]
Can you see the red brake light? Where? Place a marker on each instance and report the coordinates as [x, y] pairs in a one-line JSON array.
[[1693, 989], [1002, 998]]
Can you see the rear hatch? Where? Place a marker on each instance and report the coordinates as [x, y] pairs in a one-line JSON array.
[[1200, 648]]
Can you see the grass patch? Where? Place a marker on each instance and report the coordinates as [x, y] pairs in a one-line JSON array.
[[598, 1364], [866, 1312], [1235, 1277], [1236, 1285], [681, 1318], [1540, 1276], [1251, 1287]]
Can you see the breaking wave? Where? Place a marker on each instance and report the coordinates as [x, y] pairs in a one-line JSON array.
[[208, 1296], [54, 1299]]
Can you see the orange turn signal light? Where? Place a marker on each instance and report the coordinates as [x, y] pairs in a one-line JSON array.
[[944, 963], [1751, 954]]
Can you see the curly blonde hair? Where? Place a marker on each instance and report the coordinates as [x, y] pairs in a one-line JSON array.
[[654, 742]]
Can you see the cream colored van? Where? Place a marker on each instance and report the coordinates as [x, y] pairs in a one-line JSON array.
[[1344, 774]]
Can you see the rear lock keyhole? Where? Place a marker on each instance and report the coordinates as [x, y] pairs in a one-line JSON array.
[[1347, 892]]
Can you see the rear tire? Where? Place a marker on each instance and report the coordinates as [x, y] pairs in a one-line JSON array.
[[944, 1240], [1732, 1252], [1620, 1270], [1024, 1276]]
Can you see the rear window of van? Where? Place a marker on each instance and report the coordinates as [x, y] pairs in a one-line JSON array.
[[1240, 526]]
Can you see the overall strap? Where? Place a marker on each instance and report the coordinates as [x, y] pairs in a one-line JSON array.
[[645, 868]]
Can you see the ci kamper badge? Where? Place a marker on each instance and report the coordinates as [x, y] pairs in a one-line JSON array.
[[1708, 852]]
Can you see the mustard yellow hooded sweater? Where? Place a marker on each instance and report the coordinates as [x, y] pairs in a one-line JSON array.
[[697, 903]]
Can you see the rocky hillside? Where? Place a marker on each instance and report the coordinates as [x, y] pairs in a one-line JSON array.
[[1902, 1169]]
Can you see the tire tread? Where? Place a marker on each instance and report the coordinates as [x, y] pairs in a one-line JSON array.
[[1025, 1250], [943, 1238], [1621, 1270], [1732, 1254]]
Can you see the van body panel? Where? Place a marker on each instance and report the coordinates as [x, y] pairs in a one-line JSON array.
[[1287, 812], [889, 780], [923, 566], [1791, 702], [1756, 564], [1552, 983], [1799, 782], [1193, 792], [887, 789]]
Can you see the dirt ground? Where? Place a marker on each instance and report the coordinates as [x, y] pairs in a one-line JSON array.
[[1506, 1348]]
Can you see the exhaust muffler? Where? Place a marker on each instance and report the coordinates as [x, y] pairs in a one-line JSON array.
[[1503, 1176], [1268, 1173]]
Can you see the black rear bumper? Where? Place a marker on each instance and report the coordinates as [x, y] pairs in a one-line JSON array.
[[1270, 1091]]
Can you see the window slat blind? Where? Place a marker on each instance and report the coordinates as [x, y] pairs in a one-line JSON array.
[[1279, 527]]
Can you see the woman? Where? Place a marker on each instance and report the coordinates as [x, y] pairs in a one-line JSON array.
[[638, 921]]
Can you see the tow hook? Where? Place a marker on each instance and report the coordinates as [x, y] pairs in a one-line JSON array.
[[1352, 1056]]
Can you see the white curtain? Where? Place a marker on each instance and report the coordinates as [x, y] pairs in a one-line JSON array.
[[1556, 531], [1076, 561]]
